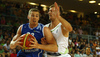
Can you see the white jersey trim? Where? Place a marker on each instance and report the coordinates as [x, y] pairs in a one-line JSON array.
[[43, 30]]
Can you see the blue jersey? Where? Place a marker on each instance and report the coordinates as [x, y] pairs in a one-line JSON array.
[[37, 32]]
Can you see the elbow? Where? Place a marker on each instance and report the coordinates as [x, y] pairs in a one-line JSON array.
[[56, 49], [70, 29]]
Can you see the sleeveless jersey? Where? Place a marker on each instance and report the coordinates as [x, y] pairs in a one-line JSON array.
[[61, 40], [37, 32]]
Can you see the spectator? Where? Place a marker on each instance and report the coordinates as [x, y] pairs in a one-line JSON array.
[[88, 52], [72, 53], [9, 23], [97, 34], [94, 54], [76, 43], [70, 48], [82, 45], [2, 42], [97, 50], [3, 22], [91, 42], [7, 48], [77, 54], [1, 35], [70, 40], [80, 31], [82, 54], [2, 53], [14, 53], [74, 31], [95, 44], [17, 49]]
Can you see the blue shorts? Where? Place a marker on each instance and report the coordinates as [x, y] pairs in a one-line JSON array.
[[30, 54]]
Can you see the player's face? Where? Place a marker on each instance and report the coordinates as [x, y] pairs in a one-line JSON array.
[[51, 13], [33, 17]]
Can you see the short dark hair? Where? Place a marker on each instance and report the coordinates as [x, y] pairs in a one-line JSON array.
[[60, 7], [33, 10]]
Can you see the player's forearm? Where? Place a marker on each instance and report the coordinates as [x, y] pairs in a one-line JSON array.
[[65, 23], [13, 42], [49, 47]]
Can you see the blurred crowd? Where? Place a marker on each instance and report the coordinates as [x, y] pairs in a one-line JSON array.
[[13, 14]]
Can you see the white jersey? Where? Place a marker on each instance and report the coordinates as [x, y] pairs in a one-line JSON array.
[[61, 40]]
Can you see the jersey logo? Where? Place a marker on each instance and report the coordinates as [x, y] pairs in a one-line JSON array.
[[37, 31], [24, 26], [57, 31]]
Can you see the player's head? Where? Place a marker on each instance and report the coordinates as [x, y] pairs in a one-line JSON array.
[[33, 16], [60, 7], [52, 7], [1, 47], [14, 51]]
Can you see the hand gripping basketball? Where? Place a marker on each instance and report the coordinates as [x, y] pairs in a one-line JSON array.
[[26, 38]]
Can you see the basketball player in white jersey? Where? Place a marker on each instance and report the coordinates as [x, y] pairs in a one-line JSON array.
[[60, 29]]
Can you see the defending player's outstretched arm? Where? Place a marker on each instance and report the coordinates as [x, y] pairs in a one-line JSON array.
[[64, 22], [51, 46]]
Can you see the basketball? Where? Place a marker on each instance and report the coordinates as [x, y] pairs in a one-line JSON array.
[[26, 38]]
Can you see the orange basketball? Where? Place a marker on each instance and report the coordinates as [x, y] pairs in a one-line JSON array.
[[26, 40]]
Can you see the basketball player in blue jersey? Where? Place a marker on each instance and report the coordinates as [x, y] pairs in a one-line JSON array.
[[60, 29], [38, 31]]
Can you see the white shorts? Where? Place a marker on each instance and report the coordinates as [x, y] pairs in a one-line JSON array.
[[62, 55]]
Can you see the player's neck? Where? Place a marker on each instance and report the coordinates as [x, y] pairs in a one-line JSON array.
[[33, 25], [54, 23]]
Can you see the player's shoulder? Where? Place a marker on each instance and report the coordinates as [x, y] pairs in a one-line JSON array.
[[40, 24], [20, 26], [46, 28], [25, 24], [47, 25]]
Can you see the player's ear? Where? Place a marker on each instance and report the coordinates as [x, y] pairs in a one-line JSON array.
[[27, 16]]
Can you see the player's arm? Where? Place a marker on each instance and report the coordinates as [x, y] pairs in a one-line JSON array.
[[52, 45], [65, 24], [51, 42], [16, 39]]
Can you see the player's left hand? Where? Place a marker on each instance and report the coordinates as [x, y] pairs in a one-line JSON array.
[[43, 41], [34, 43], [56, 10]]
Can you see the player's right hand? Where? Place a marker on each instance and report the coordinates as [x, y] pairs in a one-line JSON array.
[[17, 42], [43, 40]]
